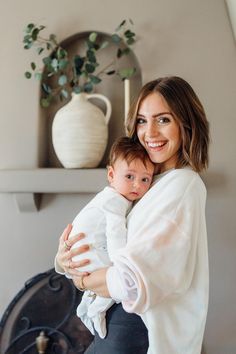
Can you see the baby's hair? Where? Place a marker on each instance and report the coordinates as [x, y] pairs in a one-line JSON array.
[[127, 149]]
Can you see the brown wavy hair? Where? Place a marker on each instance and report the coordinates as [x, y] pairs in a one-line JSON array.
[[189, 115]]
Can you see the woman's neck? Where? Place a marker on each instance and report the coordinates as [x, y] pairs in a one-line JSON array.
[[159, 169]]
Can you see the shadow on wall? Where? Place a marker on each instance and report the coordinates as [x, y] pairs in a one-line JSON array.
[[215, 180]]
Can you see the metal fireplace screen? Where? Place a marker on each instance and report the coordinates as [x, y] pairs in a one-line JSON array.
[[44, 309]]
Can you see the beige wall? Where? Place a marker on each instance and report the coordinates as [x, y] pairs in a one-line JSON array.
[[190, 38]]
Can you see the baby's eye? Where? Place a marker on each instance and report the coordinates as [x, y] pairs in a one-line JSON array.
[[130, 177], [163, 120], [146, 180]]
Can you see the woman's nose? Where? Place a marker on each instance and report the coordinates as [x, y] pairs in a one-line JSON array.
[[152, 129]]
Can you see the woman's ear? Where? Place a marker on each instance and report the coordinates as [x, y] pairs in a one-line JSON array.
[[110, 174]]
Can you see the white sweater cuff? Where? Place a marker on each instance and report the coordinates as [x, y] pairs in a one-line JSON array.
[[115, 285]]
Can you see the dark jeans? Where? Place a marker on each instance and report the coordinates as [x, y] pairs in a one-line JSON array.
[[126, 334]]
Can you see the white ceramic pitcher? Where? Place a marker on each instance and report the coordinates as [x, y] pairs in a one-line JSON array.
[[80, 131]]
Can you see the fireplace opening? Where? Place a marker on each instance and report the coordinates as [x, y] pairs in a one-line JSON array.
[[43, 315]]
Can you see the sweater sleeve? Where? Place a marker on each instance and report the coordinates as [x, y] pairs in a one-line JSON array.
[[158, 261], [156, 271]]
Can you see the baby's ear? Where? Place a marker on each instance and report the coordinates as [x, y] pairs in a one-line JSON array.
[[110, 174]]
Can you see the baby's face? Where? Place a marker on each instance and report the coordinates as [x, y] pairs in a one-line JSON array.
[[133, 180]]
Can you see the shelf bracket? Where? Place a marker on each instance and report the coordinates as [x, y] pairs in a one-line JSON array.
[[27, 202]]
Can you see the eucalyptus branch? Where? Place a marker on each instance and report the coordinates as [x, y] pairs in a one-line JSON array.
[[77, 73], [102, 71]]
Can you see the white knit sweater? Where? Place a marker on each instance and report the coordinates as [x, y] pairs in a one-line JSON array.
[[162, 272]]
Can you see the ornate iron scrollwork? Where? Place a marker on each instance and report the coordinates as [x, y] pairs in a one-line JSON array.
[[47, 304]]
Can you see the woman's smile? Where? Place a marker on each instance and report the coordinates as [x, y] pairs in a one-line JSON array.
[[158, 131], [156, 145]]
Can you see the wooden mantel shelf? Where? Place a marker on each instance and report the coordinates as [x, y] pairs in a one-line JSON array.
[[28, 184]]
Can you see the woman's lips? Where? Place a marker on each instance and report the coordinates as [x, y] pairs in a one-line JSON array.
[[156, 145]]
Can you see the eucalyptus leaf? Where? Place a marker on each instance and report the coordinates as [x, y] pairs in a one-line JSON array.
[[95, 79], [115, 38], [90, 44], [84, 74], [54, 64], [77, 89], [28, 46], [38, 76], [45, 102], [40, 50], [88, 87], [78, 64], [91, 56], [46, 88], [33, 66], [47, 61], [130, 41], [78, 61], [129, 34], [35, 33], [49, 46], [90, 68], [93, 36], [126, 73], [96, 46], [111, 72], [28, 75], [62, 64], [119, 53], [121, 25], [62, 80], [29, 27], [104, 45], [64, 93], [126, 51], [27, 39], [61, 53]]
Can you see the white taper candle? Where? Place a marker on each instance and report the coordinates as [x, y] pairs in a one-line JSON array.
[[127, 96]]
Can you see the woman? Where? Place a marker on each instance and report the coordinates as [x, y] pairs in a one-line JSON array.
[[162, 273]]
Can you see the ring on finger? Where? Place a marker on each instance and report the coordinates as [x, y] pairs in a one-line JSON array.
[[67, 247]]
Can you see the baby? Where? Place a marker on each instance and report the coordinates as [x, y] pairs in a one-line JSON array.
[[103, 220]]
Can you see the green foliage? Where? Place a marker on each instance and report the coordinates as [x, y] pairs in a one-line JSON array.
[[126, 73], [61, 74]]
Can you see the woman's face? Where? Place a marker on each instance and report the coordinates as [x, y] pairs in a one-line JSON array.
[[158, 131]]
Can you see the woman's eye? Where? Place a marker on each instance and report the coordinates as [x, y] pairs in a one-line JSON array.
[[140, 121], [163, 120]]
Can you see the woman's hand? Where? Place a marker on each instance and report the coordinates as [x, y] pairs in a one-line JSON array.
[[65, 253], [96, 282]]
